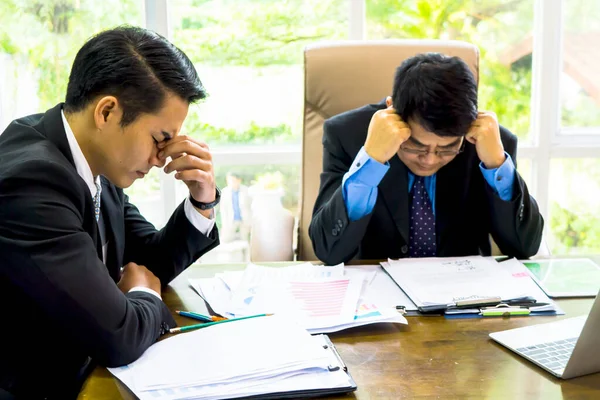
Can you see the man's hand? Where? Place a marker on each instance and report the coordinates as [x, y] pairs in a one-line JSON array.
[[138, 275], [193, 162], [485, 135], [386, 133]]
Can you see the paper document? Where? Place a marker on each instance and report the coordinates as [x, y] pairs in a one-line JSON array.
[[441, 281], [249, 357], [322, 299]]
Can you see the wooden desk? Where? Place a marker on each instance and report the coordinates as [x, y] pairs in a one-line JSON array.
[[430, 358]]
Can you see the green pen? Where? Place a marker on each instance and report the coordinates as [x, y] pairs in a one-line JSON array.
[[502, 312], [199, 326]]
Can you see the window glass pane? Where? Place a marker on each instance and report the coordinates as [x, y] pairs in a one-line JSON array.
[[501, 29], [249, 55], [146, 196], [525, 170], [38, 42], [259, 189], [580, 79], [574, 206]]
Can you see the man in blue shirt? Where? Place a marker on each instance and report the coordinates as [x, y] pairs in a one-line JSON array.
[[422, 174]]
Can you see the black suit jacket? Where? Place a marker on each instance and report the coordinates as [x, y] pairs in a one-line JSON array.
[[59, 303], [467, 209]]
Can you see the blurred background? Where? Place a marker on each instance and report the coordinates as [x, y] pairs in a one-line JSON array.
[[249, 55]]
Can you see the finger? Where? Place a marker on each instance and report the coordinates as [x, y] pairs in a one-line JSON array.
[[188, 162], [174, 139], [174, 150], [471, 139], [195, 175], [472, 134]]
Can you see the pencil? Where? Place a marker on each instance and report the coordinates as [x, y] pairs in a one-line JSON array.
[[200, 317], [199, 326]]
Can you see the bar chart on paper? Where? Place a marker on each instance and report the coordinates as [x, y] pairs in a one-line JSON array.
[[320, 299]]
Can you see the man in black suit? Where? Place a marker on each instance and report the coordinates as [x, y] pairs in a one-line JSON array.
[[422, 174], [67, 229]]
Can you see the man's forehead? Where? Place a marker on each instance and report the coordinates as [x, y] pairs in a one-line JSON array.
[[424, 137]]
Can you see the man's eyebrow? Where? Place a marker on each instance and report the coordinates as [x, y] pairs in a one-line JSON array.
[[415, 141], [166, 135], [446, 146]]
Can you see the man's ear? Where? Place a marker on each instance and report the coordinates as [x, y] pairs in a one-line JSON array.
[[107, 111]]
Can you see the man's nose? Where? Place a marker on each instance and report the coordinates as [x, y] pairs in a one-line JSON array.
[[430, 158], [156, 161]]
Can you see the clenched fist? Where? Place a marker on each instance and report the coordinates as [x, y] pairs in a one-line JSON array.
[[386, 133]]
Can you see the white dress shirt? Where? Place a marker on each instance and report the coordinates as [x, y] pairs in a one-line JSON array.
[[200, 222]]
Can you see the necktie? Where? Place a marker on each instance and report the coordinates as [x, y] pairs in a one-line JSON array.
[[97, 201], [422, 222]]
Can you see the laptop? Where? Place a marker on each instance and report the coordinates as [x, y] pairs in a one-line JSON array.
[[567, 348]]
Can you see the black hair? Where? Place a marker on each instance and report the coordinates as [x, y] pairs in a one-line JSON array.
[[137, 66], [438, 92]]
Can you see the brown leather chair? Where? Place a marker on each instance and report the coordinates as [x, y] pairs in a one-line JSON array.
[[340, 76]]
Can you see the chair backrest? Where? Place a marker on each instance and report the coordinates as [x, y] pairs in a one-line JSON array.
[[341, 76]]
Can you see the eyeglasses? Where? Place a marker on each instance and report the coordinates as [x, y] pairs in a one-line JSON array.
[[438, 153]]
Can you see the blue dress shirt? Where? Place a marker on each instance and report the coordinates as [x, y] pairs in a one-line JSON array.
[[359, 185], [235, 202]]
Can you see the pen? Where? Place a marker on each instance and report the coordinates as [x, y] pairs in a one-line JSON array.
[[200, 317], [205, 325]]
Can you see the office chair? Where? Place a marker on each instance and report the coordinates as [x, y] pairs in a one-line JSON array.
[[340, 76]]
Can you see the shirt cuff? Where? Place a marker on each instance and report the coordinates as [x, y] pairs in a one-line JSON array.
[[200, 222], [366, 170], [144, 289], [501, 179]]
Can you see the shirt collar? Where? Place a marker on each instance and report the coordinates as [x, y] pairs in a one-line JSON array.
[[81, 164]]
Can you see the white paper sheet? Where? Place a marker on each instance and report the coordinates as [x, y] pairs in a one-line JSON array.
[[445, 281]]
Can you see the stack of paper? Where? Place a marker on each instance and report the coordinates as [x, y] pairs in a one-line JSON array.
[[258, 356], [322, 299]]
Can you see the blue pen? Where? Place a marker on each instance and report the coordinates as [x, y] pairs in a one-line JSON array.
[[194, 315]]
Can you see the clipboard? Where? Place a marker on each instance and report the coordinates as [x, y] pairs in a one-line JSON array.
[[337, 366]]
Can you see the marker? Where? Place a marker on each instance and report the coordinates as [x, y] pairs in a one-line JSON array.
[[200, 317], [200, 326]]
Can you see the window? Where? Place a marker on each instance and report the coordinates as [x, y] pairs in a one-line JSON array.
[[574, 209], [505, 58], [580, 79], [249, 55], [38, 42]]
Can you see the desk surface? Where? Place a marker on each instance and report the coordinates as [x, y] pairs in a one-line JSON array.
[[431, 357]]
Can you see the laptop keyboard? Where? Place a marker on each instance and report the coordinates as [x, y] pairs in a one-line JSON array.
[[552, 355]]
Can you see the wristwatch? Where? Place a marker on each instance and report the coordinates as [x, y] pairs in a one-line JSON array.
[[207, 206]]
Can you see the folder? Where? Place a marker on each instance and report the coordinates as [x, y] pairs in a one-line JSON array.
[[268, 357]]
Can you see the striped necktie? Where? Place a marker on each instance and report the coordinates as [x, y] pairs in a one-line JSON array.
[[97, 201]]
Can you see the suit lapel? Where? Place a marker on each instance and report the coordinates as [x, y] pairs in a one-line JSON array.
[[112, 215], [394, 190], [452, 184], [53, 128]]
